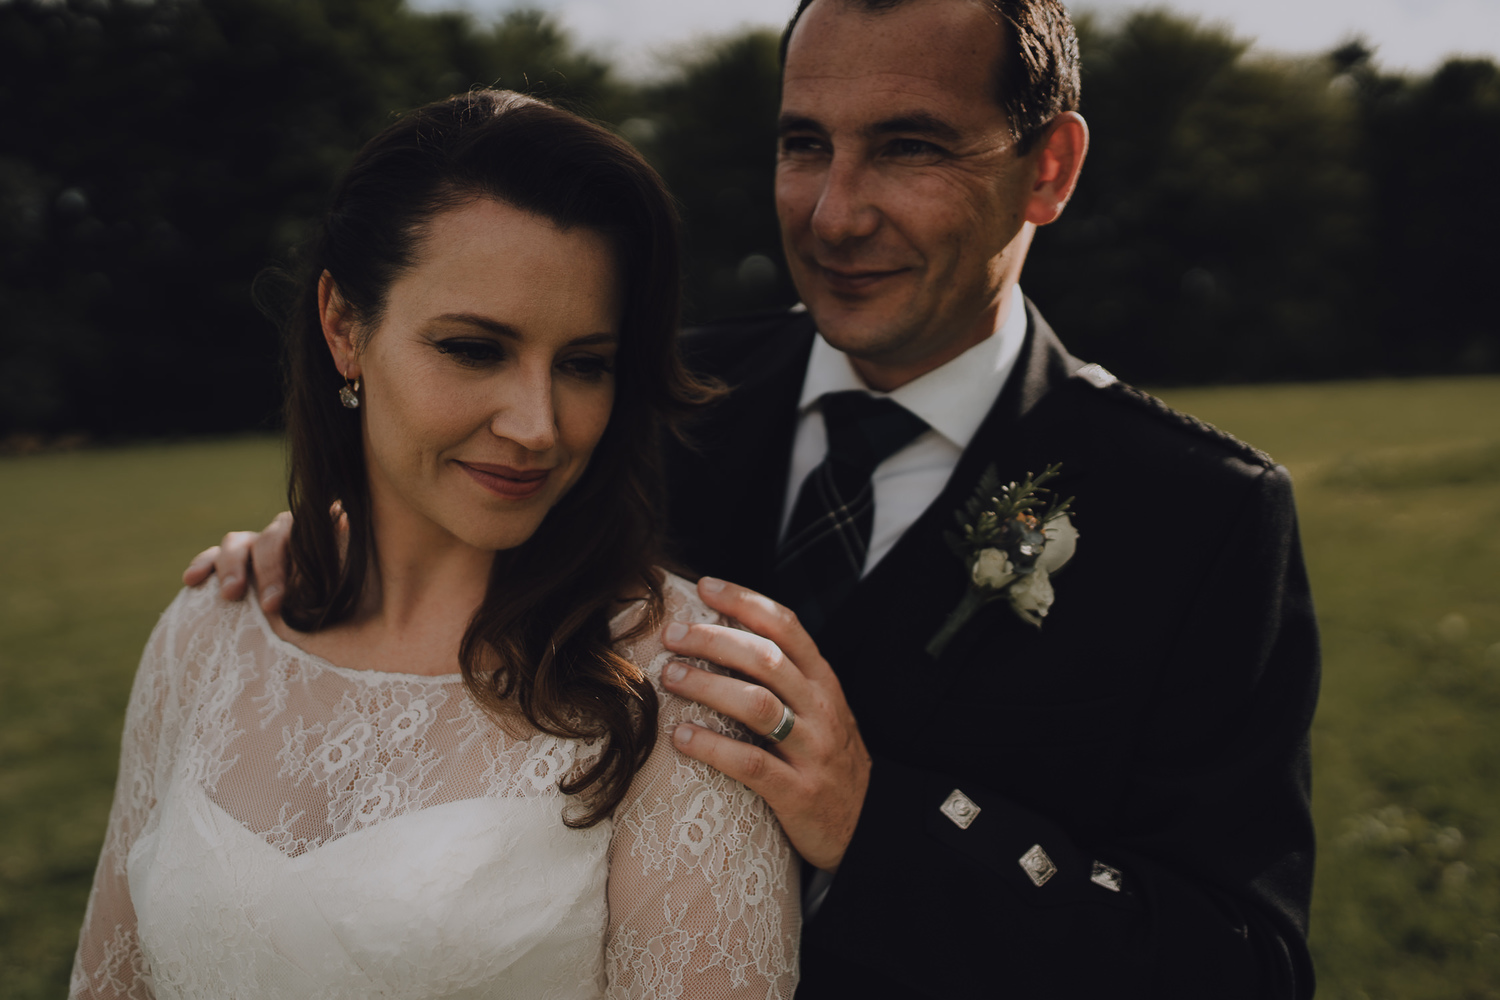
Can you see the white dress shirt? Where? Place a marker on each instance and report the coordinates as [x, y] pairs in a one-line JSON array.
[[953, 399]]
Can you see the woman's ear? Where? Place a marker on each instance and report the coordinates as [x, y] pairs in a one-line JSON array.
[[338, 323]]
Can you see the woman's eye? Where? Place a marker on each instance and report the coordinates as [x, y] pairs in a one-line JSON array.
[[589, 367], [472, 353]]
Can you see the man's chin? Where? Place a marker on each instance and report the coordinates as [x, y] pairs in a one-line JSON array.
[[864, 333]]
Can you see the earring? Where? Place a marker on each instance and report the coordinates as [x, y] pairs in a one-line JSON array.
[[347, 393]]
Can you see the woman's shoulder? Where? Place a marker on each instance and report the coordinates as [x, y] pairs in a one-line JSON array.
[[199, 614], [201, 607], [680, 603]]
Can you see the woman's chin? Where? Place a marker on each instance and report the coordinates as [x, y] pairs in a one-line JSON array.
[[495, 538]]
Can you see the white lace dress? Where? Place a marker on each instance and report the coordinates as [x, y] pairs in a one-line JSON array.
[[287, 828]]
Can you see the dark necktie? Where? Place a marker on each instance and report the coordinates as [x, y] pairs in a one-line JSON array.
[[820, 562]]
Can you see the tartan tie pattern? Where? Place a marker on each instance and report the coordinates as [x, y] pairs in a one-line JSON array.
[[823, 555]]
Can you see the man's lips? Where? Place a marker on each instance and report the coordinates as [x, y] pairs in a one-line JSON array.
[[504, 481], [855, 280]]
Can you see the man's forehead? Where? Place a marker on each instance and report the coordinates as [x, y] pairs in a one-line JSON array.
[[938, 56]]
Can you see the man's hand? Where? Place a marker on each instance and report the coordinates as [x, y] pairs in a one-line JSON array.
[[238, 554], [816, 778]]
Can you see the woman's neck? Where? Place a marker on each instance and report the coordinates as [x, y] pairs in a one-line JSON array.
[[422, 587]]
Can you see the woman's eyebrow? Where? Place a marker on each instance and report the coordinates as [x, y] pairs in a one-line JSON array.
[[500, 329], [494, 326]]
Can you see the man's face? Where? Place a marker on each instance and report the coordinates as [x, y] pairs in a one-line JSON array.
[[899, 190]]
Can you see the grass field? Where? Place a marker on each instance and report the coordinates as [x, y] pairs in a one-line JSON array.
[[1399, 490]]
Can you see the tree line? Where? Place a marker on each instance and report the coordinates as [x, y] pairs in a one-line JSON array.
[[1242, 217]]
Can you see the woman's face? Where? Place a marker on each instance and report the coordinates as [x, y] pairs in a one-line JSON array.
[[490, 377]]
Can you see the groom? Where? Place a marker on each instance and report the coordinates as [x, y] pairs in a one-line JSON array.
[[1114, 803]]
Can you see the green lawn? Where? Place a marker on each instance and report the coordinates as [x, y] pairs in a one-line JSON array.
[[1399, 493], [1399, 489], [92, 544]]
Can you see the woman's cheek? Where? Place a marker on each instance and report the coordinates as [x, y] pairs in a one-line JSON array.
[[586, 414]]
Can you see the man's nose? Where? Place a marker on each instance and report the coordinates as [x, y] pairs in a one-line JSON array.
[[845, 210], [527, 413]]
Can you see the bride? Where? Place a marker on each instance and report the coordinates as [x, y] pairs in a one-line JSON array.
[[437, 771]]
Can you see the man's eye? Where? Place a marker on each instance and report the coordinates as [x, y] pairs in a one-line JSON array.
[[471, 353], [793, 145], [915, 149]]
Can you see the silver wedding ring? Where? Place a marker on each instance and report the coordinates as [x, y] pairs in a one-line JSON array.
[[784, 727]]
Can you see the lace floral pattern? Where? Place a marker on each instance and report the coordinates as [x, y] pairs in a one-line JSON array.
[[284, 827]]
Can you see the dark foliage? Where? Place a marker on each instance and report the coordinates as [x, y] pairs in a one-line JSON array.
[[157, 154], [1240, 218], [710, 128]]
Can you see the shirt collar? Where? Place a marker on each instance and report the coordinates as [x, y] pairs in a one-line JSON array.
[[953, 398]]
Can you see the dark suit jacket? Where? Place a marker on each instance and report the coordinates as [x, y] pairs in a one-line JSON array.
[[1156, 722]]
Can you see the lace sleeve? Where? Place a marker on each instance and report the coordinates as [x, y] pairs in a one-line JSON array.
[[702, 882], [109, 963]]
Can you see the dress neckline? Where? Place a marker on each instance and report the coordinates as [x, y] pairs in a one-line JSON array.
[[252, 598]]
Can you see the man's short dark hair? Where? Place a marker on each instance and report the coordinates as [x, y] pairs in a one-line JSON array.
[[1038, 72]]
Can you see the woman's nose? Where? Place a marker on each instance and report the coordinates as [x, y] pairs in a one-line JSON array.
[[527, 414]]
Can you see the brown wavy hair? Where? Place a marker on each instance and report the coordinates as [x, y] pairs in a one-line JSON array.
[[540, 640]]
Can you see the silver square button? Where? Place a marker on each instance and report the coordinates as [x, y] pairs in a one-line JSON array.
[[1038, 867], [960, 809], [1106, 876]]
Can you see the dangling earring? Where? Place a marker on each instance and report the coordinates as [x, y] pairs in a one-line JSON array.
[[347, 393]]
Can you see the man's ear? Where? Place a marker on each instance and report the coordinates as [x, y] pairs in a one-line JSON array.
[[1059, 158], [338, 323]]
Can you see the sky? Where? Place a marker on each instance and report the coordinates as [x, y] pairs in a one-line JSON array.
[[1407, 34]]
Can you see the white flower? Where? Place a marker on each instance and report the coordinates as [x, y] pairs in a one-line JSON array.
[[1062, 541], [701, 821], [344, 749], [412, 721], [549, 762], [1031, 596], [992, 569], [377, 797]]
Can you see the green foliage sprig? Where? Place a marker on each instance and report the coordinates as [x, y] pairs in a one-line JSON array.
[[985, 516]]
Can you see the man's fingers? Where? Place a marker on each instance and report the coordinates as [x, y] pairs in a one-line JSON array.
[[201, 568], [734, 649], [268, 556], [764, 617], [762, 773], [233, 564], [757, 707]]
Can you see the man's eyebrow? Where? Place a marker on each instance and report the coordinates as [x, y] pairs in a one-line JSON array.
[[793, 122], [500, 329], [921, 123], [916, 123]]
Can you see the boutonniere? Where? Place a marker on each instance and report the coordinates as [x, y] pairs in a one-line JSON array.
[[1014, 538]]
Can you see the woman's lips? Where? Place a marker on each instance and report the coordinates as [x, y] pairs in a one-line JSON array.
[[503, 481]]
